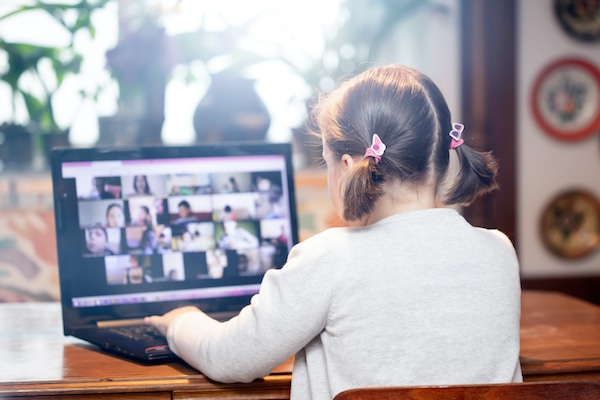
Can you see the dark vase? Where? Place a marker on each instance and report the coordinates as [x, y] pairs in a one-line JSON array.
[[231, 110], [141, 62], [16, 147]]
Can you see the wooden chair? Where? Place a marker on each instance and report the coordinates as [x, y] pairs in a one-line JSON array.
[[508, 391]]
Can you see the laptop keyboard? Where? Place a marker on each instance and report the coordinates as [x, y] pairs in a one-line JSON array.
[[137, 332]]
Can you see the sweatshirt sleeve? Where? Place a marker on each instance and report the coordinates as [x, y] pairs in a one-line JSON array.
[[288, 312]]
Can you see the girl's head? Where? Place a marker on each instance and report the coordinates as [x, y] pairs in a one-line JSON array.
[[407, 111], [96, 240], [143, 216], [140, 184], [115, 218], [185, 210], [149, 239]]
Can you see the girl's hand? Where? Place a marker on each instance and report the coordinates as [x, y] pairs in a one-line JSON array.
[[162, 322]]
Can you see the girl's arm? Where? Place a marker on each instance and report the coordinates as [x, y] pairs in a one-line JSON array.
[[290, 310]]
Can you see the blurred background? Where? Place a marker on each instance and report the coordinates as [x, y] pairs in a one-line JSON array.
[[182, 72], [155, 69]]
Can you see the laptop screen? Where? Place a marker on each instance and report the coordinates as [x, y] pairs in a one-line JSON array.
[[170, 225]]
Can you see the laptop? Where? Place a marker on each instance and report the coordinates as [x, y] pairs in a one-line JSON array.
[[142, 231]]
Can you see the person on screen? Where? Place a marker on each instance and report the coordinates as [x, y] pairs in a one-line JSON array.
[[100, 189], [236, 238], [162, 214], [409, 292], [216, 260], [135, 273], [282, 239], [150, 243], [269, 202], [143, 216], [115, 218], [196, 241], [173, 275], [232, 186], [281, 249], [96, 242], [185, 213], [226, 214], [187, 242], [141, 187]]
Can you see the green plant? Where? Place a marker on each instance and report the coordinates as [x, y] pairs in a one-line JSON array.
[[25, 58]]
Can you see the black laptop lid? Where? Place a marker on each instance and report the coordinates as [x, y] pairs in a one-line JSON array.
[[142, 231]]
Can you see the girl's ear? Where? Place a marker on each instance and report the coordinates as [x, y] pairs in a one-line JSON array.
[[347, 162]]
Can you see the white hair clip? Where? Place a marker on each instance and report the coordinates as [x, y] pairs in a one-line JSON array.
[[455, 134], [376, 150]]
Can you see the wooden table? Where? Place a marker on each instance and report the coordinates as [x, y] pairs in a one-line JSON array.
[[560, 340], [560, 337], [37, 360]]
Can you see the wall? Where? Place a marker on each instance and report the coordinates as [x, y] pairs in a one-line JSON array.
[[547, 166], [429, 41]]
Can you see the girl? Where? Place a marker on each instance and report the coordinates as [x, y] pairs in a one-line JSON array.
[[115, 217], [96, 242], [409, 293], [149, 243], [144, 217], [141, 187]]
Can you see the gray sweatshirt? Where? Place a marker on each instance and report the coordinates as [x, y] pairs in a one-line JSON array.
[[419, 298]]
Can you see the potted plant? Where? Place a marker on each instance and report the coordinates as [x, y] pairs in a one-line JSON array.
[[25, 59]]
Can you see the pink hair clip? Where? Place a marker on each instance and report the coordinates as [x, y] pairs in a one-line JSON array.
[[455, 134], [376, 150]]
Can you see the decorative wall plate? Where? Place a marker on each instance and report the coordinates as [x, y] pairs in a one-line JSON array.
[[580, 19], [570, 224], [565, 99]]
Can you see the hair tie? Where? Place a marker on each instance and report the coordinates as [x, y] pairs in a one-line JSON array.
[[455, 134], [376, 150]]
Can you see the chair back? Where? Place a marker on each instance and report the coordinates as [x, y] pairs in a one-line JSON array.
[[507, 391]]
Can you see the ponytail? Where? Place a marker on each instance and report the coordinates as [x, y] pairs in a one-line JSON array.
[[363, 187], [476, 176]]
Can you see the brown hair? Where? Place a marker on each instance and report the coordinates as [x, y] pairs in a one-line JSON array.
[[409, 113]]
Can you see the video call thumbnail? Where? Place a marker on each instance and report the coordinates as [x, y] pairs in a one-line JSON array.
[[178, 227]]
